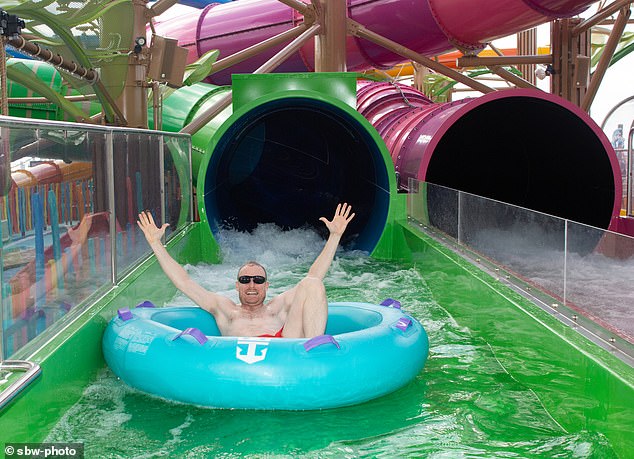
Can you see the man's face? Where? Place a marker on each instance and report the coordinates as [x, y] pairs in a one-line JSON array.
[[252, 294]]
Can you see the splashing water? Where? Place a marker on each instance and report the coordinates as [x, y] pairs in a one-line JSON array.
[[462, 405]]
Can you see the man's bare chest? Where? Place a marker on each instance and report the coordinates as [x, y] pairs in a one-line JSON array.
[[250, 324]]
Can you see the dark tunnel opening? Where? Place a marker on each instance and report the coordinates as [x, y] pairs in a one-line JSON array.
[[289, 162], [531, 153]]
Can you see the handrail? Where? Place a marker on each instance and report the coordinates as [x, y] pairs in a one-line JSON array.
[[32, 371]]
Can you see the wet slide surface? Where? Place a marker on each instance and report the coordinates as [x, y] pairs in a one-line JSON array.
[[464, 403]]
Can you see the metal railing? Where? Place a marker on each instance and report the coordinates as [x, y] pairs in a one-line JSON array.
[[32, 371]]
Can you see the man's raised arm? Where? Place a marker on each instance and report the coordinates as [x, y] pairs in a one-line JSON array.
[[210, 301], [337, 226]]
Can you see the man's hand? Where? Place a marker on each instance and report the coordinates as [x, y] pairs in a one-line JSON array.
[[340, 221], [150, 230], [79, 235]]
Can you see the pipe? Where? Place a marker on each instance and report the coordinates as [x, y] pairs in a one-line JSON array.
[[291, 146], [427, 27], [286, 152], [31, 372], [545, 154], [90, 75]]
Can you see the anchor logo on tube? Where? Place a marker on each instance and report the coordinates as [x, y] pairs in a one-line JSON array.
[[255, 350]]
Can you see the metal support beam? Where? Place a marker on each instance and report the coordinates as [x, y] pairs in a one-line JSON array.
[[201, 120], [44, 100], [527, 45], [160, 7], [600, 16], [330, 43], [288, 50], [133, 99], [256, 49], [512, 78], [299, 6], [478, 61], [356, 29], [4, 103], [606, 56], [570, 70]]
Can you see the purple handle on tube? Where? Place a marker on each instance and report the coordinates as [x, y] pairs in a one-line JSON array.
[[391, 303], [319, 340], [200, 336], [403, 323], [124, 314], [146, 304]]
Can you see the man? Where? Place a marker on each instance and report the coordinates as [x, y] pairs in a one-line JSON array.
[[300, 312]]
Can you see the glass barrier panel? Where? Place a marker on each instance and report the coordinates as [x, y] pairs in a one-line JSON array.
[[13, 138], [586, 274], [600, 276], [21, 140], [70, 184], [151, 173], [55, 231], [528, 244], [434, 205], [137, 187], [416, 208]]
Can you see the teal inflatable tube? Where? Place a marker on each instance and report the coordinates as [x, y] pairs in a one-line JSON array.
[[177, 353]]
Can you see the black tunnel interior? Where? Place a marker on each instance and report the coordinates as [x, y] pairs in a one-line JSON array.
[[290, 161], [531, 153]]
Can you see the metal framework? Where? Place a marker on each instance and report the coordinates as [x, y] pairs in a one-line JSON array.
[[327, 21]]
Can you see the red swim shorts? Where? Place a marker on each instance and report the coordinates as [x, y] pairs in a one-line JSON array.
[[277, 335]]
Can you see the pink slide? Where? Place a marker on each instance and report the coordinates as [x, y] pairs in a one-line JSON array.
[[428, 27]]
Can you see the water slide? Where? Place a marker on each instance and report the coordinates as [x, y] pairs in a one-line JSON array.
[[503, 373], [543, 153], [259, 162]]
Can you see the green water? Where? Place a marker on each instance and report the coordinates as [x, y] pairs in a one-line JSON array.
[[462, 405]]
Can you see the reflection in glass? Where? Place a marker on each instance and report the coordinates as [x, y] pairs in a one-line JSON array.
[[57, 216]]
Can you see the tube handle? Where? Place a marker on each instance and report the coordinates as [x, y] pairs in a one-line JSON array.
[[319, 340], [391, 303], [403, 323], [197, 334], [145, 304], [124, 314]]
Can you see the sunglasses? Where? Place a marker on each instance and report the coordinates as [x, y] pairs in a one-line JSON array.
[[247, 279]]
